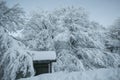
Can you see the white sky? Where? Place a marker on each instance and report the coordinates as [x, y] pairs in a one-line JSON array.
[[102, 11]]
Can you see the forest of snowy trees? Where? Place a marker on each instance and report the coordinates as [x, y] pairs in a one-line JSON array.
[[80, 44]]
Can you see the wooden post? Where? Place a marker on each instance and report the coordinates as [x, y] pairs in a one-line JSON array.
[[50, 67]]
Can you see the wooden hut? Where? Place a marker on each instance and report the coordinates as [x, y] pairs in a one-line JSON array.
[[42, 61]]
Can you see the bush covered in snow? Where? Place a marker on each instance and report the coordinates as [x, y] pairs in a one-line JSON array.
[[68, 62]]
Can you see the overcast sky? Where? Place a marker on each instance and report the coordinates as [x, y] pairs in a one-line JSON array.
[[102, 11]]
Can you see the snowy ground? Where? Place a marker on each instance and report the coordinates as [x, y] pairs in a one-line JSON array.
[[100, 74]]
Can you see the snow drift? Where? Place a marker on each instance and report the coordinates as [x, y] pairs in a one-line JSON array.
[[100, 74]]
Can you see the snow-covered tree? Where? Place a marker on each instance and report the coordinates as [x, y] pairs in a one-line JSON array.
[[92, 48], [68, 62], [113, 42], [78, 42], [15, 62], [11, 18], [83, 39], [37, 33]]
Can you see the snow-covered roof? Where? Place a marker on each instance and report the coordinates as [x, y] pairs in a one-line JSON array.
[[43, 55]]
